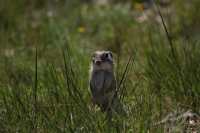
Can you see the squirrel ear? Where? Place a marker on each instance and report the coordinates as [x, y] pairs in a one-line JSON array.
[[111, 54], [93, 54]]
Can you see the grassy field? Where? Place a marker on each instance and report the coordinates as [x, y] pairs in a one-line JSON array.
[[45, 54]]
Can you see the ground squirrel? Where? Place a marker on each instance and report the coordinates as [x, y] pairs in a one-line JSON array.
[[102, 79]]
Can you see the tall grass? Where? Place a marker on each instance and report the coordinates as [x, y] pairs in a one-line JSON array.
[[46, 90]]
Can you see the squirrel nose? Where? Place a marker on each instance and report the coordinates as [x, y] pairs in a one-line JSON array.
[[98, 62]]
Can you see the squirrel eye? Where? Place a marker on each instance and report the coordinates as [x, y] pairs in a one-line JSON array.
[[106, 55]]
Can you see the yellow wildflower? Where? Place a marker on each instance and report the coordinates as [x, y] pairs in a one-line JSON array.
[[81, 29], [139, 6]]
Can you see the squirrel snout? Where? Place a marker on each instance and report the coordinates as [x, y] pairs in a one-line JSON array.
[[97, 62]]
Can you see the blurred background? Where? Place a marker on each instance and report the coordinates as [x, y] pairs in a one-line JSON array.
[[45, 52]]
